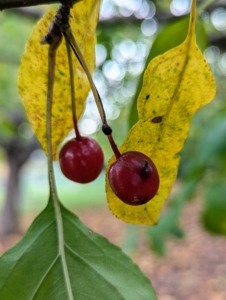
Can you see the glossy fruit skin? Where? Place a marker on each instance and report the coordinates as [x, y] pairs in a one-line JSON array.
[[134, 178], [81, 160]]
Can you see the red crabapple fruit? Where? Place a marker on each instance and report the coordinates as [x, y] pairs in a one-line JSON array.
[[81, 160], [134, 178]]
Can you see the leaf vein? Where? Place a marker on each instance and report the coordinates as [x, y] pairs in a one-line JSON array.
[[44, 276]]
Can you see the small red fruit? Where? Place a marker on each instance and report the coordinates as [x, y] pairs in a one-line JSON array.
[[81, 160], [134, 178]]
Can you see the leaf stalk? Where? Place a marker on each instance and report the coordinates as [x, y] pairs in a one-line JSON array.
[[53, 190]]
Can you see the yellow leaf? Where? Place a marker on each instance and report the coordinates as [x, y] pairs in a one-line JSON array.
[[32, 81], [175, 85]]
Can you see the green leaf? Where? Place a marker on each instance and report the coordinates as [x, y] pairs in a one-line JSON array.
[[169, 221], [214, 214], [86, 266]]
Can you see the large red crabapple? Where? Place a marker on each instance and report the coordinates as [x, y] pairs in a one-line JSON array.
[[134, 178]]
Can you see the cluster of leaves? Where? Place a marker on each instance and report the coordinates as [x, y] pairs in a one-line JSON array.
[[75, 257], [169, 92], [77, 263]]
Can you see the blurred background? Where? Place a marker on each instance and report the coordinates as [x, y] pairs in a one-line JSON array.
[[184, 256]]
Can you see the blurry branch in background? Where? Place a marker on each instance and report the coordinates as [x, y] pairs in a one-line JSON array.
[[207, 3], [161, 15], [33, 13], [4, 4], [20, 7]]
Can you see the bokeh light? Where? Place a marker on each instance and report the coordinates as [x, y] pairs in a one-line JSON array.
[[149, 27], [218, 18], [180, 7], [212, 54]]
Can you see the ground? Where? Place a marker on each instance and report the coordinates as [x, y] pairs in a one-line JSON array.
[[194, 268]]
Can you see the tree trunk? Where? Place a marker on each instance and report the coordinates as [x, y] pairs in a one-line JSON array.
[[17, 152], [9, 219]]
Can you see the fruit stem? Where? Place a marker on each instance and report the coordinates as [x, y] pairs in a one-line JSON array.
[[114, 146], [68, 34], [75, 121], [69, 37]]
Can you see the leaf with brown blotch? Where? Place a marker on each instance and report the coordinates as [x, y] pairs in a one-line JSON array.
[[175, 85]]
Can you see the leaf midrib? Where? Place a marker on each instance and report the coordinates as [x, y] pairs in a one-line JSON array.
[[189, 38]]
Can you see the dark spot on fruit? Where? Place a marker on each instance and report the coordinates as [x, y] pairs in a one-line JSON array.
[[157, 119], [146, 170]]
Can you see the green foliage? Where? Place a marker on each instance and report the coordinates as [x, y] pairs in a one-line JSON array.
[[209, 168], [169, 221], [50, 264], [207, 145], [214, 212], [96, 268], [14, 32]]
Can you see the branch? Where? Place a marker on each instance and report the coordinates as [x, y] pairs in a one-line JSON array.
[[32, 13], [4, 4]]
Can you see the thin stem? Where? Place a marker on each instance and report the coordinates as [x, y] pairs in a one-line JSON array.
[[71, 40], [114, 146], [70, 62], [105, 128], [192, 22], [51, 71]]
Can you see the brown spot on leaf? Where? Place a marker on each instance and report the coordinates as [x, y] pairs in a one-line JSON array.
[[157, 119]]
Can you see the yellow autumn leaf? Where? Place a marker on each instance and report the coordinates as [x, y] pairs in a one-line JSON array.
[[175, 85], [32, 81]]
